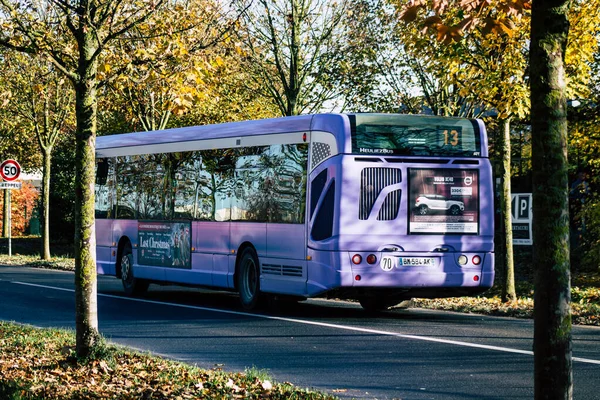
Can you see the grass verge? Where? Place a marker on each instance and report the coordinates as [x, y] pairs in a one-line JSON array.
[[585, 301], [26, 252], [40, 364], [61, 263]]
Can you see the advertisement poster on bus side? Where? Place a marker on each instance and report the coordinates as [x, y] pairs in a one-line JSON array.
[[164, 244], [443, 201]]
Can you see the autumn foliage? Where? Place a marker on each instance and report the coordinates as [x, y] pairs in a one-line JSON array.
[[23, 203], [496, 20]]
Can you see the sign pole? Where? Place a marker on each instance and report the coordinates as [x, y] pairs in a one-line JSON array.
[[9, 222]]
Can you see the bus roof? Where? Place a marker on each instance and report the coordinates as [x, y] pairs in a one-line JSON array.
[[221, 135], [241, 134]]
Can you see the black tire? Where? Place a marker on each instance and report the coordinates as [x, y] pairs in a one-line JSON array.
[[423, 209], [248, 279], [455, 210], [131, 285], [377, 304]]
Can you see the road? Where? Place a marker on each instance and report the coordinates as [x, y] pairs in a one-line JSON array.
[[327, 345]]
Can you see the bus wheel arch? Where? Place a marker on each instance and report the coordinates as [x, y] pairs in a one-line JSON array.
[[247, 276], [124, 243], [131, 285]]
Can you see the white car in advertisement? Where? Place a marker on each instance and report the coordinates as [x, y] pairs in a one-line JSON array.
[[425, 203]]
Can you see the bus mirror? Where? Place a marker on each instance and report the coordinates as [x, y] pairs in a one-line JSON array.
[[101, 172]]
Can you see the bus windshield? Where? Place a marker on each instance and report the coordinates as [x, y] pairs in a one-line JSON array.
[[380, 134]]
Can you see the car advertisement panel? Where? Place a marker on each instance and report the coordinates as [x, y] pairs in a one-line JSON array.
[[164, 244], [443, 201]]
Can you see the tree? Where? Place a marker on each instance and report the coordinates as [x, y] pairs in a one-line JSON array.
[[16, 137], [548, 46], [23, 203], [160, 76], [40, 96], [552, 327], [62, 195], [88, 27], [296, 48], [74, 36], [184, 85], [491, 56], [401, 69], [16, 142]]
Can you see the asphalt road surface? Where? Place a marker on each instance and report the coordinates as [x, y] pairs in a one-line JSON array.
[[326, 345]]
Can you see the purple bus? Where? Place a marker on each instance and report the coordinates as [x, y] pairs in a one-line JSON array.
[[374, 207]]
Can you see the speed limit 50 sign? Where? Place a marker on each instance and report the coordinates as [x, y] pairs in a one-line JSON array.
[[10, 170]]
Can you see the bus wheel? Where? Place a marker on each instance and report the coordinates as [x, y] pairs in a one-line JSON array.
[[131, 285], [423, 210], [376, 304], [248, 279], [455, 210]]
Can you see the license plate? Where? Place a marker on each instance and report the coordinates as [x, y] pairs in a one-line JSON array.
[[389, 262], [416, 261]]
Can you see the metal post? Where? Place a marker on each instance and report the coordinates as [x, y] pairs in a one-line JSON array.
[[9, 222]]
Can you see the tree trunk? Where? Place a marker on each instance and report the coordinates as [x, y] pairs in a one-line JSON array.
[[86, 316], [47, 155], [508, 290], [294, 67], [553, 378]]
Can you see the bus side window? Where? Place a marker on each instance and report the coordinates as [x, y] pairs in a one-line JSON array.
[[101, 172], [103, 190], [316, 189], [323, 224]]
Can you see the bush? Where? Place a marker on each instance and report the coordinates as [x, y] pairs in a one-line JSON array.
[[587, 247], [62, 191], [23, 203]]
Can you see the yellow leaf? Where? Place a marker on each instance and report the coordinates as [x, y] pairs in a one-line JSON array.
[[505, 29], [105, 68], [179, 110]]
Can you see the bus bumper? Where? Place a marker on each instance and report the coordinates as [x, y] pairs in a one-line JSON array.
[[416, 274]]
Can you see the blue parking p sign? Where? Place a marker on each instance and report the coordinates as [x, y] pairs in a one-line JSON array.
[[521, 210]]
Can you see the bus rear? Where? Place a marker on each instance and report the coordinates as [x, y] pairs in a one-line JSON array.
[[404, 210]]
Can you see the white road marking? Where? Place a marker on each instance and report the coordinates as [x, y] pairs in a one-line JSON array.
[[316, 323]]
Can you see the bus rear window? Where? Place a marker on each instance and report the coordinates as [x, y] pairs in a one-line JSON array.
[[385, 134]]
